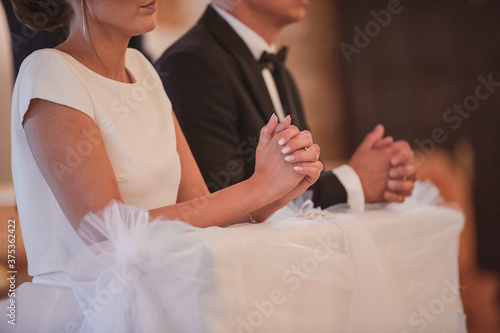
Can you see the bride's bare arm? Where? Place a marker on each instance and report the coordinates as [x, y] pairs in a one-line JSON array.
[[88, 186], [260, 195]]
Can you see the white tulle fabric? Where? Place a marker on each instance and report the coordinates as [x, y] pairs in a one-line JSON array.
[[375, 304], [306, 270], [137, 275]]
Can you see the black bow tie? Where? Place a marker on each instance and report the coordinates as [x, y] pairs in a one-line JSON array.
[[272, 60]]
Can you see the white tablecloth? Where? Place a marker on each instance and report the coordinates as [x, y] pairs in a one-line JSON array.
[[393, 269]]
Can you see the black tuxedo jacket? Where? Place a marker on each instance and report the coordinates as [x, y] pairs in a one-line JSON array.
[[221, 101]]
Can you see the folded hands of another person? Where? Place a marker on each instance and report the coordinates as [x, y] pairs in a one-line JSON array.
[[387, 169], [402, 173]]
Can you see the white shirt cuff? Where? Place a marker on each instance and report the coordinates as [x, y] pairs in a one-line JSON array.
[[350, 180]]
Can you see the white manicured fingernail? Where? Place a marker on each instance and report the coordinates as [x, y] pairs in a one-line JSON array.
[[281, 142], [286, 150], [289, 158], [297, 168]]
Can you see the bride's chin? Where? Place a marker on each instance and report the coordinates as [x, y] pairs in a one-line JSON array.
[[146, 27], [150, 29], [152, 25]]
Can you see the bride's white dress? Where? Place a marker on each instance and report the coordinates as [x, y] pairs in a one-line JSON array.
[[121, 273], [137, 129]]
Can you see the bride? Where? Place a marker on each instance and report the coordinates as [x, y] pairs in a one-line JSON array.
[[91, 124]]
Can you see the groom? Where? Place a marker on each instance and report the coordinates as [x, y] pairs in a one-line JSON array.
[[225, 80]]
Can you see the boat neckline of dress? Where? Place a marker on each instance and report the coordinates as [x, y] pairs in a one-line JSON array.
[[73, 59]]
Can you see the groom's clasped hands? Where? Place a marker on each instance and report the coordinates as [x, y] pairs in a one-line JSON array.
[[387, 169]]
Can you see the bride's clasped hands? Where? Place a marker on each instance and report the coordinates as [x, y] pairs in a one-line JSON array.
[[287, 160]]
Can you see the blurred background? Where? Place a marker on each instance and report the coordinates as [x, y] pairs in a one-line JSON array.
[[427, 70]]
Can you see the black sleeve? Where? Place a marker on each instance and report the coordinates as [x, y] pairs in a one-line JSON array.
[[328, 190], [201, 99]]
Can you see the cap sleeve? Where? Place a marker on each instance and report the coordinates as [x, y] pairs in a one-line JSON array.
[[48, 76]]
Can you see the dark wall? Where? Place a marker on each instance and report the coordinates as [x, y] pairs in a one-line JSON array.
[[420, 70]]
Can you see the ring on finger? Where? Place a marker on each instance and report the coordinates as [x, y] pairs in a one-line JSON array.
[[306, 148]]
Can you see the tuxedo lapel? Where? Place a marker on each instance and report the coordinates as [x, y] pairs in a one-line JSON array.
[[250, 68]]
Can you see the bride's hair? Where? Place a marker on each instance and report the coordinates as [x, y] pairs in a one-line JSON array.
[[45, 15]]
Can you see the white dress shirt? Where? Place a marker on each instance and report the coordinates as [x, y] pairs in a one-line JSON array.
[[257, 45]]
